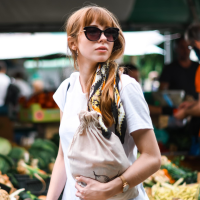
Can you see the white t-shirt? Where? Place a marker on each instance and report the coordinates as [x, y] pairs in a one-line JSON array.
[[4, 83], [71, 102], [24, 87]]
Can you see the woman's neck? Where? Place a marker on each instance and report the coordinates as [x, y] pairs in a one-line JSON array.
[[86, 70]]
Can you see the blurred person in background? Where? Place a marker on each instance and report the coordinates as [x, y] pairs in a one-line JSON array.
[[132, 71], [192, 108], [24, 87], [37, 84], [151, 83], [180, 74], [4, 83]]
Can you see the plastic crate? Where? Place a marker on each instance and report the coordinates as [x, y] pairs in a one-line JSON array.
[[37, 114], [5, 187], [31, 184]]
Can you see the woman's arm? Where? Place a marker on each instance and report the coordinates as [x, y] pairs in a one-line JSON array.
[[147, 164], [59, 177]]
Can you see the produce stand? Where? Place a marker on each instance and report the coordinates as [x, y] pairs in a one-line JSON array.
[[41, 111], [29, 168], [36, 114], [173, 182]]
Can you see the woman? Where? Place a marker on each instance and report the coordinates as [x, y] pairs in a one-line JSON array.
[[94, 37]]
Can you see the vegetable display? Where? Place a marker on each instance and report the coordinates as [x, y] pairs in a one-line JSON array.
[[6, 163], [176, 172], [5, 146], [165, 191], [45, 151], [18, 153]]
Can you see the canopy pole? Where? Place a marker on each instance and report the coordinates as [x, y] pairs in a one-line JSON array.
[[193, 10], [167, 47]]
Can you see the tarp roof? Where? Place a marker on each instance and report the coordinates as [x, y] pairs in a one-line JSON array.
[[50, 15], [27, 45]]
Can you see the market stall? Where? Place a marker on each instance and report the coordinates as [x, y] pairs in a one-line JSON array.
[[29, 136]]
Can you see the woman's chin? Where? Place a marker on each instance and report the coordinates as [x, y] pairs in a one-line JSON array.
[[102, 59]]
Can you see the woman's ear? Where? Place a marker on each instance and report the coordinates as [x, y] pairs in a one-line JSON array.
[[72, 43]]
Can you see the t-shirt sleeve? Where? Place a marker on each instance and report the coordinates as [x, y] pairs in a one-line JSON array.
[[197, 80], [60, 94], [165, 74], [136, 108]]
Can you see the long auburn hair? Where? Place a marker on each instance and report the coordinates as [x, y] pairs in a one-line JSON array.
[[84, 17]]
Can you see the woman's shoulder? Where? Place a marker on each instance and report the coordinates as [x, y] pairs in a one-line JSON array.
[[128, 82], [70, 81]]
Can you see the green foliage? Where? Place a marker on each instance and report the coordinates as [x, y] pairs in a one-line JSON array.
[[148, 63]]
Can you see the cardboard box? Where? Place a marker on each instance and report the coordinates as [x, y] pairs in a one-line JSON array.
[[37, 114], [6, 128]]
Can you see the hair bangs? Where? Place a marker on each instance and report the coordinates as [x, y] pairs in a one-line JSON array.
[[98, 15]]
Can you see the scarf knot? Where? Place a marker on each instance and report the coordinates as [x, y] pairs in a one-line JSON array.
[[118, 112]]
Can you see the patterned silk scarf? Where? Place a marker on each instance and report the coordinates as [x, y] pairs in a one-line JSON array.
[[117, 107]]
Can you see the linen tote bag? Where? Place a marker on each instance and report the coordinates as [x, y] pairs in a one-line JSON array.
[[93, 156]]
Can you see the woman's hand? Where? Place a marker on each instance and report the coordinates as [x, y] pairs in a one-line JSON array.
[[93, 191]]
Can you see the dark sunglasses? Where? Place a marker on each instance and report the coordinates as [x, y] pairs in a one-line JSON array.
[[93, 33]]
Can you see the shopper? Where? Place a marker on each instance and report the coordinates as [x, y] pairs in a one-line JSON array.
[[24, 87], [174, 75], [192, 108], [95, 38], [4, 83]]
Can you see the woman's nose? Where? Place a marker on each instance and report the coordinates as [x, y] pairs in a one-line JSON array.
[[102, 38]]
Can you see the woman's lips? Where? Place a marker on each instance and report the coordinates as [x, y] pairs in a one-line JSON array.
[[101, 49]]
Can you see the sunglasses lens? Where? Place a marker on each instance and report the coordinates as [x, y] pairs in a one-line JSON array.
[[111, 34], [93, 33]]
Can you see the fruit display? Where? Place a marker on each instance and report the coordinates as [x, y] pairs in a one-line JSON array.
[[45, 99], [39, 108]]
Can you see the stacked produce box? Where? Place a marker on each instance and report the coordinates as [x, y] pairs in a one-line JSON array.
[[39, 108]]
